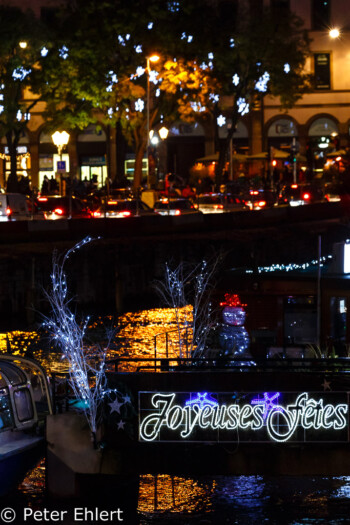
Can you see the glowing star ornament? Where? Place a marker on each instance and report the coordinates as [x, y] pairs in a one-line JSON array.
[[115, 406], [268, 403], [121, 425], [326, 385], [202, 400]]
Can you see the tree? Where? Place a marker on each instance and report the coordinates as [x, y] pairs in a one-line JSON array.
[[254, 55], [20, 47]]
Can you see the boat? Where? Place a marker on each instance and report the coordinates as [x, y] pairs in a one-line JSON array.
[[25, 401]]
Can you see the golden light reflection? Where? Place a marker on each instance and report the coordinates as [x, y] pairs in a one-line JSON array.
[[174, 494], [137, 335]]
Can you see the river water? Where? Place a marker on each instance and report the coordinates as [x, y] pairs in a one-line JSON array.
[[165, 499]]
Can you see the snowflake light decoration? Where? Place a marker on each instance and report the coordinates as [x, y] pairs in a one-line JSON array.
[[261, 84], [139, 105], [235, 79], [243, 106], [63, 52], [221, 121]]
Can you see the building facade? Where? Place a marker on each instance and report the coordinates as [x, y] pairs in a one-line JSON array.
[[318, 124]]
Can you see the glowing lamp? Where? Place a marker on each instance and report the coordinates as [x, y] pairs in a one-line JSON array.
[[23, 44], [60, 139], [274, 163], [163, 132], [334, 33]]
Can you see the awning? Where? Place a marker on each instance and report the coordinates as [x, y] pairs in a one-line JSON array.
[[214, 157]]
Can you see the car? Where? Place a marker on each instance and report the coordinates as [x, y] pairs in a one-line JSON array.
[[301, 194], [175, 207], [260, 199], [13, 207], [62, 207], [122, 208], [332, 192], [219, 203]]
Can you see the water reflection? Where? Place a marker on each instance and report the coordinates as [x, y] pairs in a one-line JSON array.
[[165, 499]]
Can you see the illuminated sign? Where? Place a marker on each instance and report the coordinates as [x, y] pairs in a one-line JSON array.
[[241, 417]]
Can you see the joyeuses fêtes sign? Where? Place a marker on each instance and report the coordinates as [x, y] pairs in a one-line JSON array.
[[247, 417]]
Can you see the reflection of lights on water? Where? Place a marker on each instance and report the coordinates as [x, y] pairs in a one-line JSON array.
[[135, 338], [174, 494]]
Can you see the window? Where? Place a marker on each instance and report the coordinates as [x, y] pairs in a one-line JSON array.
[[322, 71], [321, 11], [280, 7]]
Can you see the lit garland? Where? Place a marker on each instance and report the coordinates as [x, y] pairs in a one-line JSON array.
[[291, 266]]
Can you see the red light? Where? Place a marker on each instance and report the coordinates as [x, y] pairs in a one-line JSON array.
[[124, 214], [306, 196], [218, 206], [8, 211], [42, 199], [58, 211], [177, 212], [294, 186], [97, 214], [254, 192]]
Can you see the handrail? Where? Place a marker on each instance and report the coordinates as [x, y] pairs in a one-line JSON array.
[[198, 364]]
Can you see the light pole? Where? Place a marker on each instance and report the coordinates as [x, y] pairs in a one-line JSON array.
[[60, 140], [153, 59]]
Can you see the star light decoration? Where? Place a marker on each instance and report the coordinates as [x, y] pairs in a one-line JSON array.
[[268, 402], [116, 405], [202, 400]]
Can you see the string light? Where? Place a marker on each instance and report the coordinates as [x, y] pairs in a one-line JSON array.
[[292, 266]]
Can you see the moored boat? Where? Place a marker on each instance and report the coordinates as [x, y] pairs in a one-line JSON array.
[[24, 402]]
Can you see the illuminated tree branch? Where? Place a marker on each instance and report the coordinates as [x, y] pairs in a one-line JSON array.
[[86, 372]]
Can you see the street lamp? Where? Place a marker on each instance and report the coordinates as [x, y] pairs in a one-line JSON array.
[[334, 33], [153, 59], [60, 140]]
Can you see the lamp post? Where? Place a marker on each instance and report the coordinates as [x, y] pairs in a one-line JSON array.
[[60, 140], [153, 59]]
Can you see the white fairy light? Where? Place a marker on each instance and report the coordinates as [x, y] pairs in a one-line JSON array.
[[150, 25], [19, 115], [286, 68], [232, 42], [44, 51], [138, 48], [69, 336]]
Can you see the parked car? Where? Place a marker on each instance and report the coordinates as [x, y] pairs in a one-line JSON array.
[[300, 194], [122, 208], [219, 203], [62, 207], [332, 192], [175, 207], [260, 199], [13, 207]]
